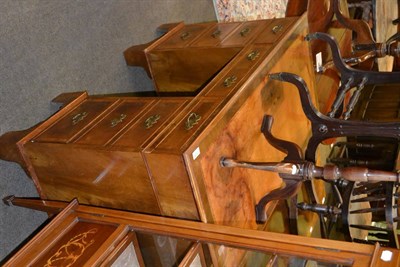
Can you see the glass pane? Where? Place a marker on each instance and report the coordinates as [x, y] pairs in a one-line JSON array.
[[127, 258], [248, 258], [162, 251], [196, 262], [165, 251]]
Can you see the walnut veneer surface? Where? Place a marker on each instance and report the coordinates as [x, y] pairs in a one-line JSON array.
[[160, 155], [187, 57]]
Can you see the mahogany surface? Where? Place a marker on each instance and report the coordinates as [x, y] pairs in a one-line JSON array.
[[296, 7]]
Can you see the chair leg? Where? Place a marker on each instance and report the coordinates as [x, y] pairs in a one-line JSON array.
[[379, 201]]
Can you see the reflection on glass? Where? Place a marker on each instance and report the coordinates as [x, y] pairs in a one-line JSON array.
[[127, 258], [196, 262], [162, 251], [258, 259], [165, 251]]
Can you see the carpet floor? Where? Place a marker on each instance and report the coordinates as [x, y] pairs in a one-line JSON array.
[[243, 10], [48, 47]]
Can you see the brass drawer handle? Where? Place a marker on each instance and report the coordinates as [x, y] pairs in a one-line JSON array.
[[216, 33], [150, 121], [230, 80], [253, 55], [117, 121], [192, 120], [79, 117], [185, 35], [244, 32], [277, 29]]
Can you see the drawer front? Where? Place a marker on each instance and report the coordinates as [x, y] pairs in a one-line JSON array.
[[274, 30], [231, 80], [75, 122], [151, 122], [185, 36], [185, 129], [244, 33], [115, 121], [216, 34]]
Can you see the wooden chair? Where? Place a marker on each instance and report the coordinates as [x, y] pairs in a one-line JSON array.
[[364, 212], [351, 77], [324, 127], [370, 213], [371, 153], [297, 169], [365, 47], [326, 14]]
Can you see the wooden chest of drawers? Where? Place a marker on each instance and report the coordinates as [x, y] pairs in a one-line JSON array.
[[187, 57], [92, 149], [161, 155]]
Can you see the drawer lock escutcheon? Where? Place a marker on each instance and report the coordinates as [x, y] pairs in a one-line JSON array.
[[117, 121], [185, 35], [253, 55], [150, 121], [229, 81], [192, 120], [277, 29], [79, 117], [244, 32]]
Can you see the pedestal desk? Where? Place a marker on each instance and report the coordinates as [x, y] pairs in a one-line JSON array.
[[160, 155]]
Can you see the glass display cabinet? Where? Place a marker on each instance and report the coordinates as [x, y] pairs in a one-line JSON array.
[[80, 235]]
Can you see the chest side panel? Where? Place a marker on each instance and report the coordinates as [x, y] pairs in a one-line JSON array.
[[98, 177]]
